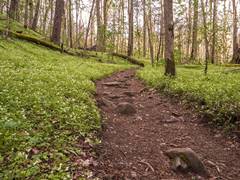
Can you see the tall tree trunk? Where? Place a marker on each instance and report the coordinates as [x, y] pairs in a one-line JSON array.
[[59, 11], [213, 53], [236, 48], [130, 33], [144, 28], [70, 23], [89, 23], [100, 30], [78, 24], [36, 16], [12, 13], [205, 36], [170, 68], [189, 37], [105, 21], [195, 31], [123, 42], [45, 16], [26, 14], [161, 22], [149, 27], [30, 12]]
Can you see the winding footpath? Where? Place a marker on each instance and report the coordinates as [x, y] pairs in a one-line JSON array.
[[134, 139]]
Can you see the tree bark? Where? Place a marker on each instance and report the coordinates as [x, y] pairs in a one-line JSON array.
[[195, 31], [36, 16], [213, 53], [130, 30], [59, 11], [45, 16], [26, 14], [89, 23], [100, 28], [205, 36], [144, 28], [12, 13], [70, 23], [169, 38], [236, 48], [149, 27]]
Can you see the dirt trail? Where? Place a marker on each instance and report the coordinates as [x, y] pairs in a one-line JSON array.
[[132, 146]]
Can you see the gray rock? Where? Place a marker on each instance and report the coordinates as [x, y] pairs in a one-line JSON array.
[[186, 159], [126, 108]]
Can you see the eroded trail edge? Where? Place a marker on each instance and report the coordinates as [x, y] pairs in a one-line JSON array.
[[134, 141]]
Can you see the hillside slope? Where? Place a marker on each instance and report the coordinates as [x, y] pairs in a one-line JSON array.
[[46, 107]]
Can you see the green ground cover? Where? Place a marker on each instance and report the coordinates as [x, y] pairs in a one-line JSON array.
[[216, 95], [46, 104]]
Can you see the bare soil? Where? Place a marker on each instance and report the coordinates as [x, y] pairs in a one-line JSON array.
[[133, 146]]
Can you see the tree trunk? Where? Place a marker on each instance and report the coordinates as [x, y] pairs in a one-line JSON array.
[[105, 21], [195, 31], [12, 13], [236, 48], [45, 16], [149, 27], [205, 36], [213, 53], [59, 11], [36, 16], [30, 12], [26, 14], [144, 28], [89, 23], [169, 38], [189, 18], [100, 29], [70, 23], [161, 38], [130, 33]]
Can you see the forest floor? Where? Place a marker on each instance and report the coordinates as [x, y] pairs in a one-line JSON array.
[[133, 146]]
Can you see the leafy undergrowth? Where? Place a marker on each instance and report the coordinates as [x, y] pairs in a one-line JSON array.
[[17, 27], [215, 95], [46, 106]]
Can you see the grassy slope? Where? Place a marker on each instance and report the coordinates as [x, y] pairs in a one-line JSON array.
[[46, 104], [217, 95]]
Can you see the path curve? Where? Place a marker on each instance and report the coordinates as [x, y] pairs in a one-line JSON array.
[[132, 146]]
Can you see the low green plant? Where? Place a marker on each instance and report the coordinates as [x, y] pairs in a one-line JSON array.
[[46, 106], [215, 95]]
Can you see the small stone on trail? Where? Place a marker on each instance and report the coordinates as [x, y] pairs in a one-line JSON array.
[[114, 83], [129, 93], [126, 108], [185, 159]]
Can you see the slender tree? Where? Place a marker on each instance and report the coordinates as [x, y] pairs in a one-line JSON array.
[[205, 36], [144, 27], [236, 48], [214, 29], [12, 13], [26, 14], [59, 11], [195, 31], [130, 30], [36, 16], [70, 23], [100, 29], [169, 38]]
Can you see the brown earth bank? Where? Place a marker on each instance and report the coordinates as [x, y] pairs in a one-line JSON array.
[[139, 125]]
